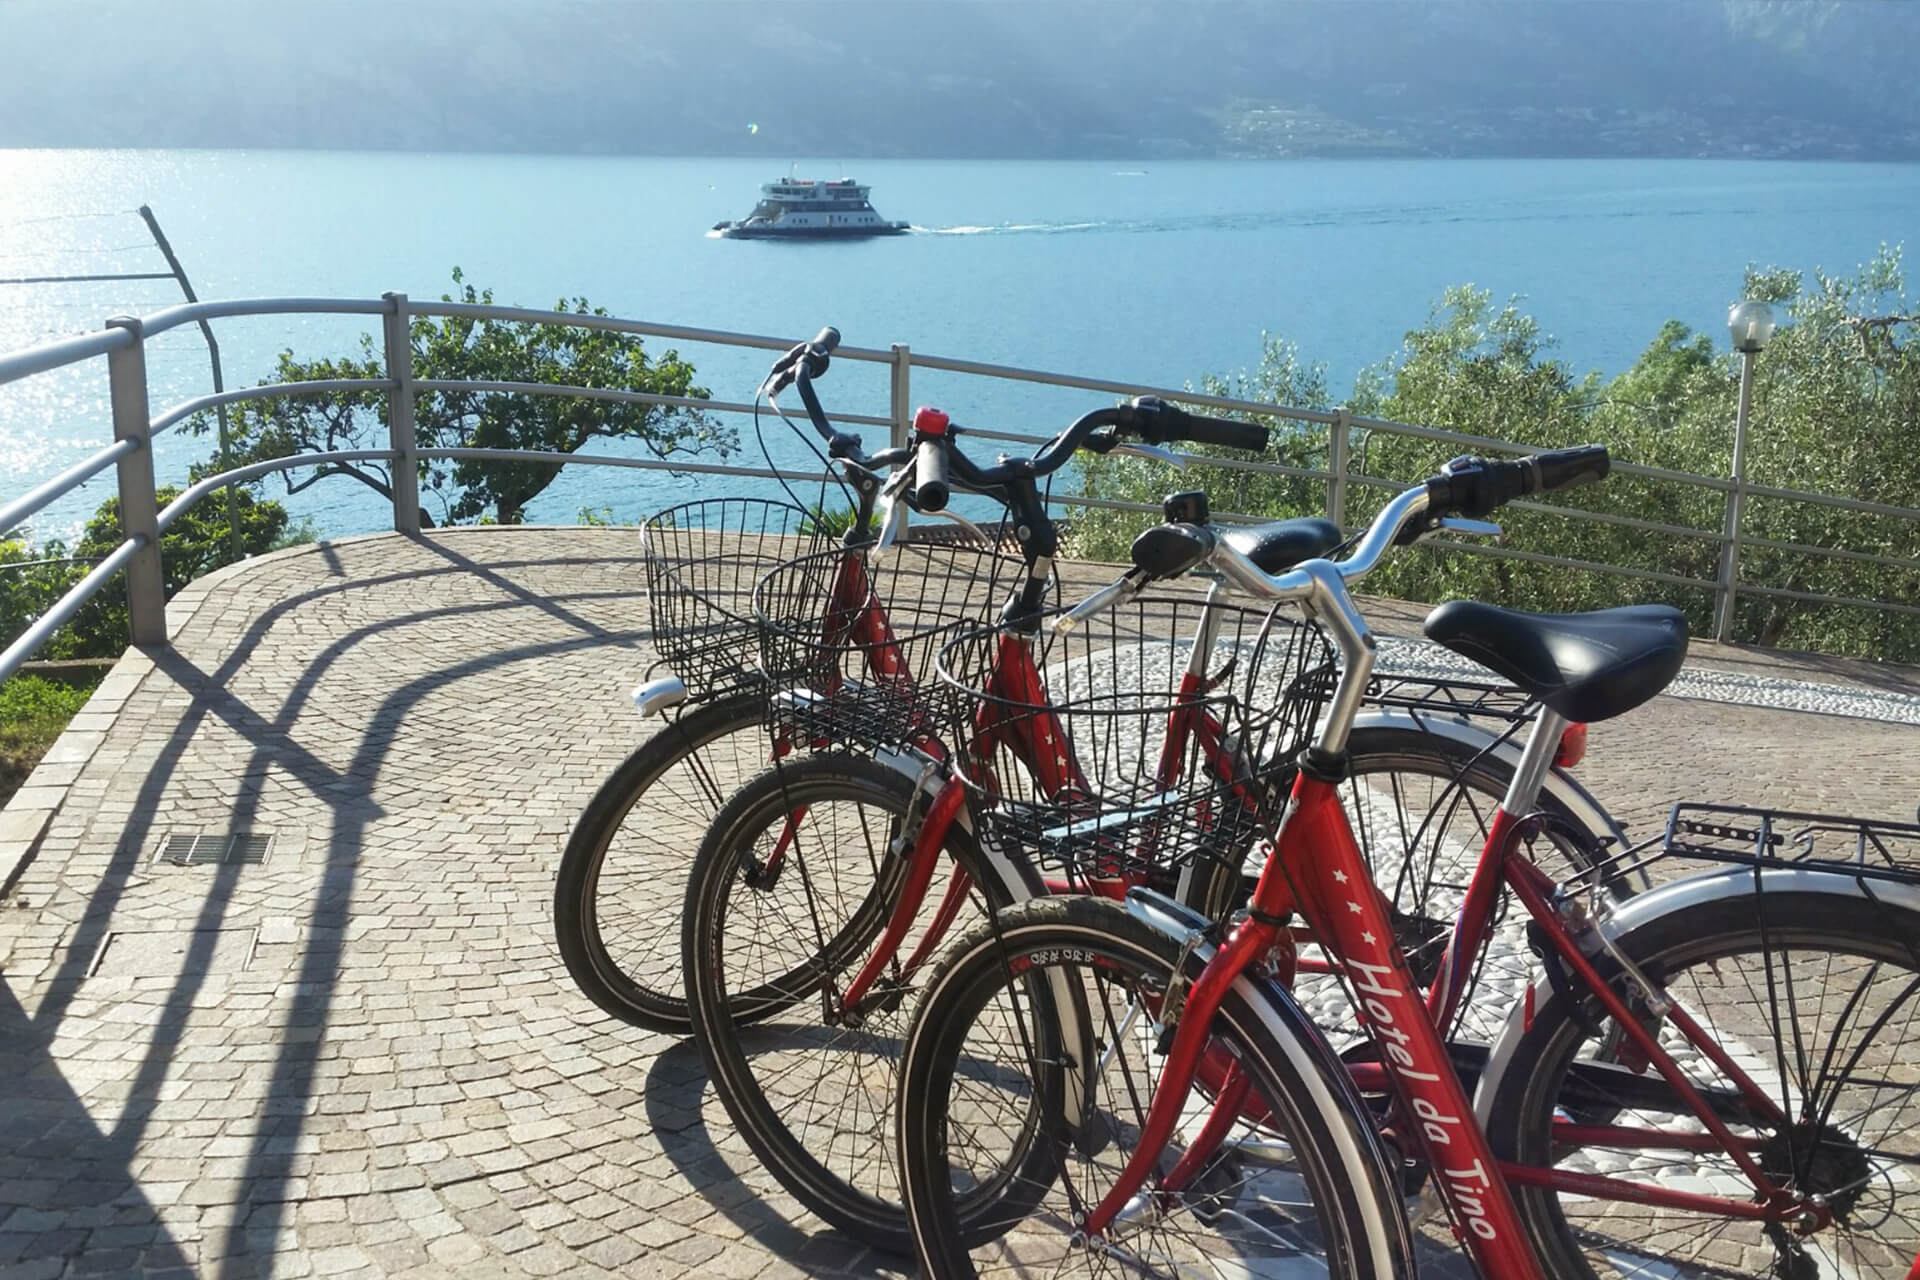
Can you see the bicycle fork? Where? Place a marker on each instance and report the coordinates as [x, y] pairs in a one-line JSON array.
[[923, 859]]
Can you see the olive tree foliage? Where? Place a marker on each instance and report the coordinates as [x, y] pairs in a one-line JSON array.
[[454, 348], [1282, 378], [33, 578], [1836, 410]]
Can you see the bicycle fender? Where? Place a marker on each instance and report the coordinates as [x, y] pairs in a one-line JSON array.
[[1690, 891], [1330, 1086], [1576, 799]]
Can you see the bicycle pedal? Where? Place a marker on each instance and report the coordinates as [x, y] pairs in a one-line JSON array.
[[1214, 1190]]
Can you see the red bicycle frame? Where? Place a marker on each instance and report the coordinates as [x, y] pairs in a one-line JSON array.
[[1318, 870]]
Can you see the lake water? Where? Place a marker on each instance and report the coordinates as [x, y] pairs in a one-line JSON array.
[[1157, 273]]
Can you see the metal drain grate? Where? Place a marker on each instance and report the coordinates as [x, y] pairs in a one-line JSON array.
[[197, 849]]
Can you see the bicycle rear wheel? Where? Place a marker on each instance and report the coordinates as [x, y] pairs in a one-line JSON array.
[[1817, 997], [1028, 1072]]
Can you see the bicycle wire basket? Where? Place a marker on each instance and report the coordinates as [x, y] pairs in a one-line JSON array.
[[848, 637], [703, 559], [1087, 774]]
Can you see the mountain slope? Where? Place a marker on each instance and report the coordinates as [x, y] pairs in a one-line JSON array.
[[971, 77]]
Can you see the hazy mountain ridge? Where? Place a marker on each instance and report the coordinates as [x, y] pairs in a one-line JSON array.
[[972, 77]]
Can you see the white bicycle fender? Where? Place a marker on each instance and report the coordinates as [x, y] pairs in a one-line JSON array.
[[1577, 800]]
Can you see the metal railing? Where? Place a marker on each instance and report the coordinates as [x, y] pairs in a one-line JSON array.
[[122, 342]]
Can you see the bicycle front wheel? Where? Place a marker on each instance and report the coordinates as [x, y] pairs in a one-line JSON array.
[[622, 880], [1816, 996], [1028, 1073], [789, 896]]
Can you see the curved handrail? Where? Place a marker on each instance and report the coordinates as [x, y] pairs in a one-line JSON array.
[[194, 312], [458, 385], [25, 507], [616, 324], [185, 500], [52, 355], [135, 424], [29, 641], [266, 391]]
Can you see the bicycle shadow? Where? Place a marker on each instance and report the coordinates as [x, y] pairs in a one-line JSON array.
[[674, 1089]]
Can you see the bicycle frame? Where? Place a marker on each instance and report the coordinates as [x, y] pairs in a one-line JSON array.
[[1318, 870]]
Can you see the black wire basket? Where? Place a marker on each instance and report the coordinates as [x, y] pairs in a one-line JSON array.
[[1082, 774], [703, 559], [848, 637]]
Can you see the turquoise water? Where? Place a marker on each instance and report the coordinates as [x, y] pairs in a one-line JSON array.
[[1157, 272]]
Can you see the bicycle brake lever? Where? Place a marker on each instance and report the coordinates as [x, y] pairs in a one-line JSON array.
[[894, 523], [1115, 592], [966, 524], [1471, 528], [1153, 451]]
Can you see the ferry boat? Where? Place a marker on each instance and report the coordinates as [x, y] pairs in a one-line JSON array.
[[800, 208]]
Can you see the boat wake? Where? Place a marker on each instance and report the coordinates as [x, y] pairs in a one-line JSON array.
[[1308, 219], [1013, 228]]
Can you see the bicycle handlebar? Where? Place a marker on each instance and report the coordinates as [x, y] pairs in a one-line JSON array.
[[1465, 487], [1474, 487], [939, 463], [808, 360]]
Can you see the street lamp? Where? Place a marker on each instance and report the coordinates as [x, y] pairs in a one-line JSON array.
[[1750, 324]]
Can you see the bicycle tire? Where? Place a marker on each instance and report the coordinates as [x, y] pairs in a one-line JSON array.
[[1845, 1158], [837, 1166], [623, 872], [959, 1211]]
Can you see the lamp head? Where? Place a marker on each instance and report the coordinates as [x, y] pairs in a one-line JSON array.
[[1751, 324]]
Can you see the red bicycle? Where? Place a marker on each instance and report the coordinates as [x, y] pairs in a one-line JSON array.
[[1715, 1077], [807, 905]]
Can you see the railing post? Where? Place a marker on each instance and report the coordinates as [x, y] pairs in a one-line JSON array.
[[1338, 442], [406, 458], [139, 507], [1729, 581], [902, 406]]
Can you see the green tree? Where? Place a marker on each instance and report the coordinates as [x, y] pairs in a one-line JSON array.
[[32, 579], [1836, 405], [193, 545], [455, 348]]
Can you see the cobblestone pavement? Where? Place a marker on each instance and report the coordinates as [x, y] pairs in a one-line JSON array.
[[363, 1056]]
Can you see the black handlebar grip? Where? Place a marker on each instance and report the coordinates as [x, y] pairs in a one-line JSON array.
[[1564, 468], [930, 487], [827, 341], [1225, 432]]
